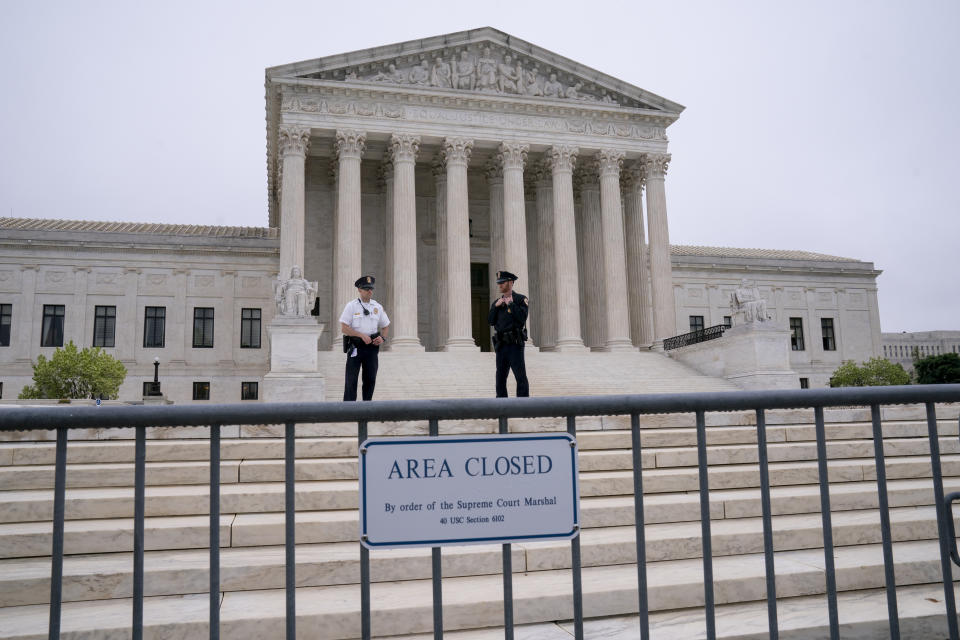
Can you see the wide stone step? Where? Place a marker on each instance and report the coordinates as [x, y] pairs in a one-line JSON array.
[[476, 602], [862, 614], [106, 576]]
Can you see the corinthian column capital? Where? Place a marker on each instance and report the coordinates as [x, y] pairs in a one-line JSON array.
[[493, 170], [562, 158], [512, 155], [438, 168], [656, 164], [351, 143], [609, 161], [294, 140], [457, 150], [404, 148], [633, 176]]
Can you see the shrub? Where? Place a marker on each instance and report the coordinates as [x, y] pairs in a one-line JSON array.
[[875, 372], [74, 373], [942, 369]]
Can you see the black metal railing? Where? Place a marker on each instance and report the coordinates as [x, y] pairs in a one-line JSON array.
[[694, 337], [62, 419]]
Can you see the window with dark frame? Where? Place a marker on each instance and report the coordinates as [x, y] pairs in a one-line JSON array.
[[6, 319], [696, 323], [104, 326], [51, 334], [201, 390], [203, 327], [796, 334], [829, 339], [804, 383], [154, 327], [728, 322], [249, 390], [250, 328]]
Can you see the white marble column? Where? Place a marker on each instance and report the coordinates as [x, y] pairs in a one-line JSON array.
[[442, 324], [593, 285], [404, 330], [494, 173], [294, 142], [614, 254], [512, 156], [350, 146], [385, 288], [562, 159], [547, 258], [457, 153], [641, 322], [661, 278]]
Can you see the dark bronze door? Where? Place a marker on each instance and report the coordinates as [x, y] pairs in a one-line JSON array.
[[480, 303]]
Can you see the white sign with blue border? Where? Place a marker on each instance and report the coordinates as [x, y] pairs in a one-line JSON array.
[[477, 489]]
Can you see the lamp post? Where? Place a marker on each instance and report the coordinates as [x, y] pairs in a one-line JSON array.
[[156, 370], [153, 388]]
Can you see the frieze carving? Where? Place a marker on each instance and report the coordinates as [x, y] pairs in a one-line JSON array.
[[249, 282], [351, 143], [203, 281], [6, 275], [157, 279], [55, 277], [294, 140], [578, 125], [490, 69], [106, 278]]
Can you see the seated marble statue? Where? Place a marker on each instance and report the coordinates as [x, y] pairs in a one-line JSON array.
[[294, 296], [748, 301]]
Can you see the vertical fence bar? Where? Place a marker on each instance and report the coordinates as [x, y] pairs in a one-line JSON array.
[[575, 561], [831, 574], [639, 528], [56, 553], [891, 580], [139, 479], [942, 514], [507, 570], [290, 459], [214, 532], [768, 558], [705, 526], [364, 561], [437, 569]]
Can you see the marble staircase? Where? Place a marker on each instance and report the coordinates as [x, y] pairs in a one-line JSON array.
[[98, 535]]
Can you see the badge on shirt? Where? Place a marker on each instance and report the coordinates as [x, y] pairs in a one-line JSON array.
[[376, 310]]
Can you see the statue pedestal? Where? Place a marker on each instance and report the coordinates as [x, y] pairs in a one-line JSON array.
[[753, 356], [293, 375]]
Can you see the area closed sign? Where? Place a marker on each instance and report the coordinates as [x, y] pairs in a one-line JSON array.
[[468, 490]]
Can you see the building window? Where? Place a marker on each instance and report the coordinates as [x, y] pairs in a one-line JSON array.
[[52, 333], [727, 321], [804, 383], [249, 390], [201, 390], [826, 328], [696, 323], [203, 327], [104, 326], [796, 334], [154, 326], [6, 318], [1, 391], [250, 329]]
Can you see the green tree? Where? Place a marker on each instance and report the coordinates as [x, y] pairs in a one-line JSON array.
[[74, 373], [875, 372], [942, 369]]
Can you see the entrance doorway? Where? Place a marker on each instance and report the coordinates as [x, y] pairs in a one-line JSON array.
[[480, 303]]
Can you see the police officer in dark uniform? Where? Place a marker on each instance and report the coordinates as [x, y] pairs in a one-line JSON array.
[[364, 325], [508, 315]]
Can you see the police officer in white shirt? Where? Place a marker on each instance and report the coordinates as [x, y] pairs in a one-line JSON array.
[[364, 324]]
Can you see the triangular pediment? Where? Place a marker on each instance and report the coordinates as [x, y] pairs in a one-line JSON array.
[[480, 61]]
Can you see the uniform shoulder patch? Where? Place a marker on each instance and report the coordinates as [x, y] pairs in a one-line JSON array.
[[523, 301]]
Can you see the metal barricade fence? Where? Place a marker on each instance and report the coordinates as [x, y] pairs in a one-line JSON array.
[[62, 419]]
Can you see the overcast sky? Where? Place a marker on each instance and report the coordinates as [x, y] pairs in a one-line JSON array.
[[823, 126]]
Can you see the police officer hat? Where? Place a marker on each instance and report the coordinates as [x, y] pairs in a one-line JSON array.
[[365, 282], [505, 276]]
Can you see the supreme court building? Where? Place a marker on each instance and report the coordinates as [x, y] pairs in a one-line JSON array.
[[429, 164]]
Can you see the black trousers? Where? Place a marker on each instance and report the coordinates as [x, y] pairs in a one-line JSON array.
[[510, 356], [367, 358]]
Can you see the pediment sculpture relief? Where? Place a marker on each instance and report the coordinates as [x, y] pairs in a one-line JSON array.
[[488, 70]]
